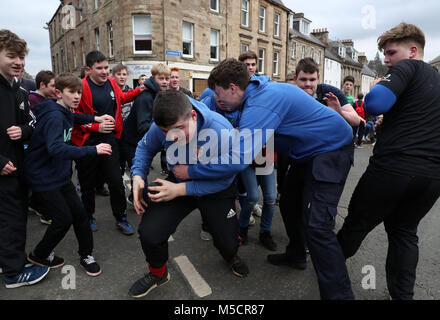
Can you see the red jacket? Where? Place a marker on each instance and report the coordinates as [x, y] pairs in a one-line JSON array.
[[81, 133]]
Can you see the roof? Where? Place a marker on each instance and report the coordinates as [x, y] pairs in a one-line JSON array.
[[436, 60], [331, 55], [368, 72], [279, 3], [307, 37]]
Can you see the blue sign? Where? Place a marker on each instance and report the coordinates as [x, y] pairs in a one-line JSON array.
[[173, 53]]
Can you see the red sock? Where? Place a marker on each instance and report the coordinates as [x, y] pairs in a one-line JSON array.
[[158, 271]]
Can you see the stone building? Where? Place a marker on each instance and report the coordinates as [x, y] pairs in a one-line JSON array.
[[193, 35], [436, 63], [302, 43]]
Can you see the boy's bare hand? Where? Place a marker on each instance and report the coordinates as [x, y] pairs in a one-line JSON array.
[[167, 191], [181, 171], [333, 102], [8, 169], [138, 201], [104, 149], [104, 118], [14, 133], [106, 126]]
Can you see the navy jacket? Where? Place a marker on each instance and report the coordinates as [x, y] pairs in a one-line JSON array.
[[48, 159]]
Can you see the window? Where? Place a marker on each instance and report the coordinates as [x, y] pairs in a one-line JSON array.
[[275, 63], [245, 13], [187, 39], [75, 61], [142, 39], [261, 53], [304, 27], [96, 4], [98, 43], [262, 19], [319, 56], [244, 48], [293, 49], [341, 51], [110, 39], [214, 5], [83, 51], [312, 53], [303, 52], [276, 24], [214, 44]]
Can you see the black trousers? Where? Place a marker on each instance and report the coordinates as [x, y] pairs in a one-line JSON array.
[[160, 220], [109, 166], [400, 202], [308, 207], [65, 208], [13, 219], [283, 163]]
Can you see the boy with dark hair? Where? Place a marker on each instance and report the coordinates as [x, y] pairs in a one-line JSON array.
[[101, 95], [48, 170], [250, 58], [318, 140], [347, 86], [16, 129], [403, 175], [178, 122]]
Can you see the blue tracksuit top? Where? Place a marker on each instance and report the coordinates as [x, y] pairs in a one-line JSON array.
[[207, 122], [303, 127]]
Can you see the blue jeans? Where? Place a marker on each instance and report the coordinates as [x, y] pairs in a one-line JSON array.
[[268, 187], [369, 129]]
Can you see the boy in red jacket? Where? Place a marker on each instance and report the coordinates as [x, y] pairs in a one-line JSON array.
[[102, 95]]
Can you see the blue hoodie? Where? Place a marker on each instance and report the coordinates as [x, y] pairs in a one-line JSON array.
[[48, 159], [303, 127], [154, 140]]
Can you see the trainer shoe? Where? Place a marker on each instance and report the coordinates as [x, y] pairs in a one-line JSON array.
[[148, 282], [93, 225], [45, 220], [52, 261], [28, 276], [239, 267], [90, 266], [281, 259], [124, 226], [205, 235], [267, 241], [257, 210], [251, 221]]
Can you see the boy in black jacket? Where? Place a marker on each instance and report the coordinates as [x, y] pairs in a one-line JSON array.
[[15, 129], [48, 166]]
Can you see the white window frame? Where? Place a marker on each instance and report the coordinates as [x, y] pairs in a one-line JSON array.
[[216, 45], [312, 53], [246, 12], [261, 58], [97, 40], [262, 19], [303, 52], [191, 41], [217, 6], [83, 51], [276, 24], [75, 58], [96, 4], [319, 56], [276, 58], [142, 36], [293, 49], [244, 47], [111, 47]]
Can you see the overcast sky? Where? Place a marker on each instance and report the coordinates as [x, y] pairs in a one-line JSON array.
[[362, 21]]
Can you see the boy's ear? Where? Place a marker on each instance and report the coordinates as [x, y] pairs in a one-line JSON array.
[[58, 94]]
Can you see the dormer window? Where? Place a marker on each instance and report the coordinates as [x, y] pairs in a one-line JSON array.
[[341, 51]]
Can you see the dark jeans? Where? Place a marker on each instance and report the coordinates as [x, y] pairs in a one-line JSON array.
[[13, 218], [65, 209], [400, 202], [127, 153], [160, 220], [282, 169], [360, 130], [109, 166], [308, 207]]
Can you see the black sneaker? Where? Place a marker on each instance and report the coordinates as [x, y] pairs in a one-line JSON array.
[[281, 259], [148, 282], [90, 266], [267, 241], [52, 261], [239, 267], [243, 233]]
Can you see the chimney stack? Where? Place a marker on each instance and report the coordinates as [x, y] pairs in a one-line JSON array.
[[321, 34]]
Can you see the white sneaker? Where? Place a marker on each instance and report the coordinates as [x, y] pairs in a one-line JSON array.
[[251, 221], [205, 236], [257, 210]]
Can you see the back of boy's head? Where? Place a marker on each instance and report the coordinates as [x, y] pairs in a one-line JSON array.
[[248, 55], [44, 76], [360, 96], [10, 41], [160, 68], [94, 57], [349, 79], [69, 81], [404, 32], [306, 65], [229, 71], [169, 107]]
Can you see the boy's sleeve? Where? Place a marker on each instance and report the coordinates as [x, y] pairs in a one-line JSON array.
[[28, 127], [340, 95], [200, 188], [146, 150], [3, 162], [79, 118], [130, 95], [144, 113], [56, 146]]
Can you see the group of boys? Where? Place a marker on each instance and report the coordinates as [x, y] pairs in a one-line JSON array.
[[310, 124]]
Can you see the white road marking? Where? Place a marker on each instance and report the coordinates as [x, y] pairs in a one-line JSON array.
[[197, 283]]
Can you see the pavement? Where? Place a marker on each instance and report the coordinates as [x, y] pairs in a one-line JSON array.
[[198, 273]]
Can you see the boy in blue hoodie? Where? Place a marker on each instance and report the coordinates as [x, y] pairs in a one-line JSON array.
[[180, 125], [48, 165], [318, 140]]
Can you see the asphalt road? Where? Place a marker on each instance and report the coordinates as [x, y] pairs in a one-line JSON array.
[[198, 273]]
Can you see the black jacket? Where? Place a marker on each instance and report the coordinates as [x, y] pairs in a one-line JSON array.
[[14, 106], [139, 120]]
